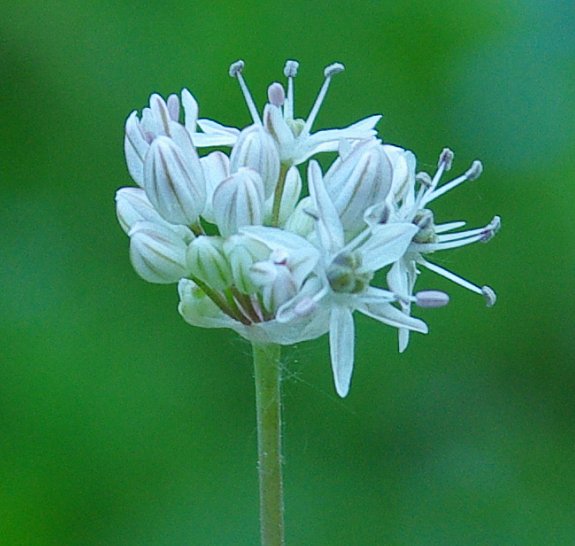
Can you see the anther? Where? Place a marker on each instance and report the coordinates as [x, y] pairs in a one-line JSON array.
[[491, 229], [276, 94], [489, 295], [431, 299], [333, 69], [424, 179], [236, 68], [474, 172], [279, 256], [290, 69], [445, 158]]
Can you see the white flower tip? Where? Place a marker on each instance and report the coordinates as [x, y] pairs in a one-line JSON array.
[[276, 94], [474, 172], [491, 229], [333, 69], [489, 295], [290, 69], [431, 299], [236, 68], [446, 158]]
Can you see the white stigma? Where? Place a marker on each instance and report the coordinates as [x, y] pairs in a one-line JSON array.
[[329, 71], [235, 71]]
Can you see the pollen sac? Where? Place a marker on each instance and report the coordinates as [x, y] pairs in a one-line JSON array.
[[345, 276], [424, 221]]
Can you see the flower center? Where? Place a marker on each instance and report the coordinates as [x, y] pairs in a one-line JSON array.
[[344, 274]]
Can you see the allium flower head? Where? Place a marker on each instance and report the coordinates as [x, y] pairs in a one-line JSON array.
[[252, 252]]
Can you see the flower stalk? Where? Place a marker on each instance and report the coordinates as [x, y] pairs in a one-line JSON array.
[[267, 371]]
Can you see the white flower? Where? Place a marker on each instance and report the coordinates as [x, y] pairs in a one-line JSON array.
[[346, 271], [294, 138], [411, 206]]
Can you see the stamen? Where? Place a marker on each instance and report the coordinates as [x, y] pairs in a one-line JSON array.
[[290, 69], [475, 170], [489, 295], [276, 94], [290, 72], [472, 173], [431, 299], [491, 229], [451, 276], [236, 72], [424, 179], [446, 158], [329, 71]]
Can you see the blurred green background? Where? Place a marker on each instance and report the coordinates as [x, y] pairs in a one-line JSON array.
[[120, 425]]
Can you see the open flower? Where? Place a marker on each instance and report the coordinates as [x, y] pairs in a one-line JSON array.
[[296, 143], [408, 202], [345, 272]]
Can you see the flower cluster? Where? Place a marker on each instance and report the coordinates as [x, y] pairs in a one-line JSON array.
[[255, 249]]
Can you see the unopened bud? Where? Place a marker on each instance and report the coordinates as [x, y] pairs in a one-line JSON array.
[[174, 181], [360, 180], [256, 149], [157, 253], [238, 201], [208, 263]]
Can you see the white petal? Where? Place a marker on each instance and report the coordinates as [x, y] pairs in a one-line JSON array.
[[388, 314], [341, 344], [388, 243], [135, 148], [330, 230]]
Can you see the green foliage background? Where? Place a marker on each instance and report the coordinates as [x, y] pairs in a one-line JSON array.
[[122, 426]]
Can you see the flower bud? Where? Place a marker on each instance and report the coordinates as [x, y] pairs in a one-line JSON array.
[[242, 253], [208, 263], [133, 206], [157, 253], [359, 181], [135, 147], [216, 167], [239, 201], [174, 180], [256, 149]]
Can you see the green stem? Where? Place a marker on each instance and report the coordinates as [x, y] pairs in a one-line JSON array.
[[268, 405]]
